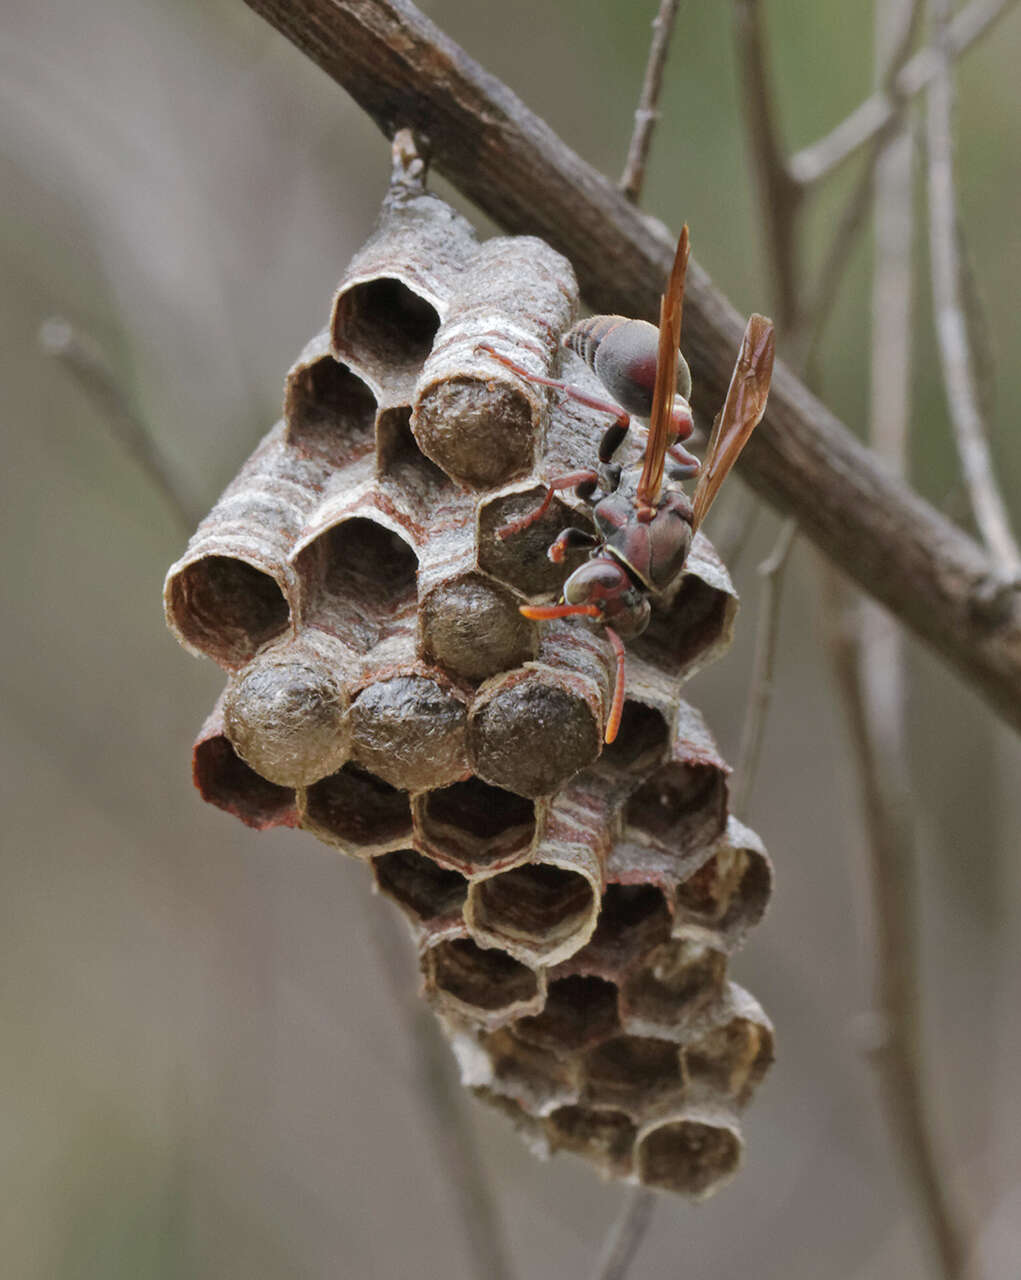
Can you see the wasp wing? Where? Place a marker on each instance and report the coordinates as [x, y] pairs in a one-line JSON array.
[[665, 386], [741, 413]]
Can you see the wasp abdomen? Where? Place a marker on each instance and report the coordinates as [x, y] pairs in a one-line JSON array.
[[622, 353]]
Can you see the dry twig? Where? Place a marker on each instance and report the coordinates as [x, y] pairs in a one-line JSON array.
[[626, 1236], [443, 1105], [948, 302], [647, 112], [780, 194], [760, 692], [88, 364], [818, 160], [405, 72]]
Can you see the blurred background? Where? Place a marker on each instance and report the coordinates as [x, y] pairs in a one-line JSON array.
[[204, 1072]]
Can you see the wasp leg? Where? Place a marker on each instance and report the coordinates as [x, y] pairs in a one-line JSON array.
[[570, 540], [585, 480], [683, 465], [613, 438]]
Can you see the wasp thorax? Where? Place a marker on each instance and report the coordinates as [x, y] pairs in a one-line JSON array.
[[622, 353]]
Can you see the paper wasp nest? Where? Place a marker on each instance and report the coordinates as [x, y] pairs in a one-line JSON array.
[[574, 906]]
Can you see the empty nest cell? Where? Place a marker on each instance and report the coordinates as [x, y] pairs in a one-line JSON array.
[[733, 1058], [633, 918], [384, 325], [425, 891], [358, 812], [330, 410], [728, 894], [226, 607], [223, 779], [580, 1011], [681, 807], [690, 1155], [641, 741], [675, 982], [359, 578], [538, 912], [473, 826], [606, 1138], [486, 986], [632, 1073]]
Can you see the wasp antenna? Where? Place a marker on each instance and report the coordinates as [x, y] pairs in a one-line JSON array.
[[617, 706]]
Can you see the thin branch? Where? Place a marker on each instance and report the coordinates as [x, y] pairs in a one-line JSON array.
[[86, 362], [732, 540], [626, 1236], [780, 196], [443, 1106], [760, 693], [647, 112], [406, 73], [951, 323], [818, 160], [890, 841], [807, 336], [868, 652]]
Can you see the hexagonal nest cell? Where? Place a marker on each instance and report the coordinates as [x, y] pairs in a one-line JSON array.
[[575, 905]]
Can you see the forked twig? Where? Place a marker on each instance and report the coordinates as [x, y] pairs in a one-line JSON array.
[[647, 111], [818, 160], [952, 329]]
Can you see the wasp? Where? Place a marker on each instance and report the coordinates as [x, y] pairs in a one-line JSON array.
[[644, 528]]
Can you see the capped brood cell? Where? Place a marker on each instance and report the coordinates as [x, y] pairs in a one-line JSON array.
[[473, 416], [532, 729], [287, 712], [409, 729]]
